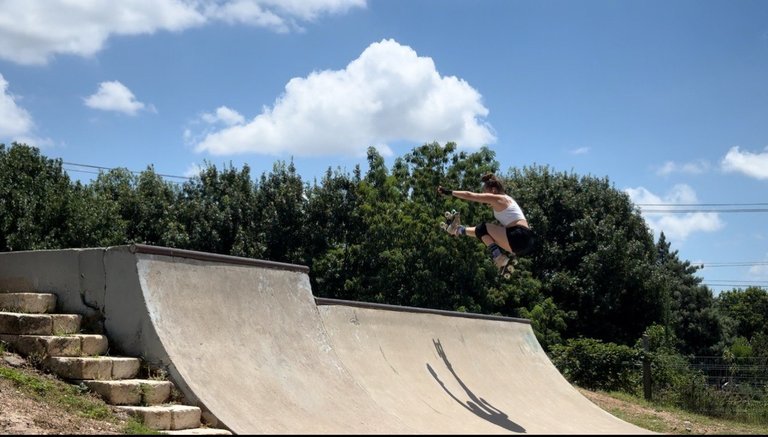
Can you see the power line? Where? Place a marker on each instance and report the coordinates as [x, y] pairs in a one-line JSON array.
[[734, 285], [688, 211], [733, 264], [702, 204], [686, 208], [113, 168]]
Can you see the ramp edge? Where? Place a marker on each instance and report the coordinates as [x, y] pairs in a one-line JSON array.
[[205, 256], [387, 307]]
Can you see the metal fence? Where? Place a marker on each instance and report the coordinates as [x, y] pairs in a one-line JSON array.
[[735, 388]]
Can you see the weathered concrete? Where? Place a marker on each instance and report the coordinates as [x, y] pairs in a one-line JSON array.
[[246, 342], [446, 374]]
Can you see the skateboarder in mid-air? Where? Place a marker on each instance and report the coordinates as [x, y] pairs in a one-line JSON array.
[[513, 234]]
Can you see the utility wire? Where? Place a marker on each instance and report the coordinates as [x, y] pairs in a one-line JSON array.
[[668, 208], [111, 168], [688, 211], [732, 264], [702, 204]]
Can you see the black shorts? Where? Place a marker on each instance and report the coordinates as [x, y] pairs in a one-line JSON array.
[[520, 239]]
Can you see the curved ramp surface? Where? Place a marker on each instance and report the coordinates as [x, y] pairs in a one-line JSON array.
[[443, 373], [247, 341], [259, 354], [249, 344]]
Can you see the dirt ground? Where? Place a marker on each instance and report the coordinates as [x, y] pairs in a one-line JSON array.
[[668, 422], [21, 413]]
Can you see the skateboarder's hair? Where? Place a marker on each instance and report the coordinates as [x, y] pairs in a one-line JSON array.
[[490, 180]]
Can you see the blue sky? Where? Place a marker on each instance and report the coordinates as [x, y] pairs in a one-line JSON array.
[[667, 99]]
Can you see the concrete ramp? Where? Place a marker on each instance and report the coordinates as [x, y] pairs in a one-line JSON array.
[[443, 373], [247, 341]]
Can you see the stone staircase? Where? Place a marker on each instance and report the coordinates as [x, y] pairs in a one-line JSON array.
[[30, 326]]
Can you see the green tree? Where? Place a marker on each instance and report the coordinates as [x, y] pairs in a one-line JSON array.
[[594, 364], [595, 254], [548, 322], [157, 219], [689, 307], [35, 200], [748, 308], [218, 212], [281, 210], [98, 217]]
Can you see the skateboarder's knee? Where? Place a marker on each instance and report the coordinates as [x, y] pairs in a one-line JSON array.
[[481, 230]]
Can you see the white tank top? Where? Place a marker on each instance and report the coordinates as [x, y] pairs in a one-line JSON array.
[[511, 214]]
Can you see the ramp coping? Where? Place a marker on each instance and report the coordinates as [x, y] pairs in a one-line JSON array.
[[205, 256], [386, 307]]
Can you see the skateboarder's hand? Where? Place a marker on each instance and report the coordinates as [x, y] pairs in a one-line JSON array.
[[444, 191]]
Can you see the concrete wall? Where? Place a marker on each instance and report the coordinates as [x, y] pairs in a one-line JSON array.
[[76, 276], [101, 284]]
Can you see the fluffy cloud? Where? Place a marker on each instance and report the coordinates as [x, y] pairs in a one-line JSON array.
[[676, 226], [280, 16], [230, 117], [387, 94], [670, 167], [15, 121], [114, 96], [33, 31], [751, 164]]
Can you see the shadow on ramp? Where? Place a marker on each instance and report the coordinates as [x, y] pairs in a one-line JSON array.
[[476, 405]]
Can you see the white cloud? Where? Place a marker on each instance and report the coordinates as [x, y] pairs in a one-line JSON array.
[[387, 94], [676, 226], [229, 117], [15, 121], [754, 165], [33, 31], [580, 151], [670, 167], [760, 271], [193, 170], [114, 96], [277, 15]]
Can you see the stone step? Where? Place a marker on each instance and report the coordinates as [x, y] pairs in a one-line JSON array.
[[98, 368], [198, 431], [132, 391], [28, 325], [39, 324], [37, 303], [71, 345], [166, 417]]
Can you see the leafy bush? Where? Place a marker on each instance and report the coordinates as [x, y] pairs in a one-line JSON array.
[[595, 365]]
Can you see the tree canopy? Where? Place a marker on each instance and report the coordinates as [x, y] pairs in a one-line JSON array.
[[375, 236]]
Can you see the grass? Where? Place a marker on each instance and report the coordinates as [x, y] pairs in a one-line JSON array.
[[68, 397], [668, 419]]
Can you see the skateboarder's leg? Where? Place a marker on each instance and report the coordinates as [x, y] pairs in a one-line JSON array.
[[495, 238], [492, 234]]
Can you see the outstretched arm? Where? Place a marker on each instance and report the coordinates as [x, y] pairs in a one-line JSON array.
[[469, 195]]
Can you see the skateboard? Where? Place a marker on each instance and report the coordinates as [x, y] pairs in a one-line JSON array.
[[451, 222]]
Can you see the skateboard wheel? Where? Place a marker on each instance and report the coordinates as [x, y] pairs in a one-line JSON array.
[[448, 215]]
